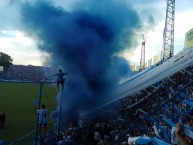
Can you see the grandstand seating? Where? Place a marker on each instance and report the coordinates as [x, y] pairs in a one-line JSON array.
[[159, 98], [28, 73], [149, 103]]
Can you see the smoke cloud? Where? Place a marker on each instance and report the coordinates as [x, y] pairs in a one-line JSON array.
[[84, 41]]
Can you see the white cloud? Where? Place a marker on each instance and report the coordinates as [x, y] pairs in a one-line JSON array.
[[21, 48]]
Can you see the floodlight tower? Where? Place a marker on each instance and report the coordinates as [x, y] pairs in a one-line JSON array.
[[142, 60], [168, 34]]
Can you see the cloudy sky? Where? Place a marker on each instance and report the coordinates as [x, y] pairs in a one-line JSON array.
[[23, 49]]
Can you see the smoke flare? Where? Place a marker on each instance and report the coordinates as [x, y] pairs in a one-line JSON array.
[[84, 41]]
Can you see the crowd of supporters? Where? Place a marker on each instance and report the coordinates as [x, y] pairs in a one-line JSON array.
[[175, 110], [27, 73], [138, 115]]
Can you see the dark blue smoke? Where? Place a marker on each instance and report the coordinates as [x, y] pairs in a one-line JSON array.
[[122, 67], [84, 41]]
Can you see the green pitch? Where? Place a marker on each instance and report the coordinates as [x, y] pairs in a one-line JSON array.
[[16, 100]]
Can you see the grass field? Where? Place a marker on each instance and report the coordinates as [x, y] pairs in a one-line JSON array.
[[16, 100]]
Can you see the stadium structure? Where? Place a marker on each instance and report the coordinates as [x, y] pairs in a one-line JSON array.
[[134, 93], [147, 83], [154, 74]]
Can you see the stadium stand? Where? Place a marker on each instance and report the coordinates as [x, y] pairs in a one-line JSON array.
[[146, 115], [28, 73]]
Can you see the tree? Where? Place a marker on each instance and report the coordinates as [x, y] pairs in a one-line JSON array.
[[5, 60]]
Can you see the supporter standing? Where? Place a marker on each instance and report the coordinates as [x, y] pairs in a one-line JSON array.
[[101, 141], [97, 137], [60, 78], [2, 119], [179, 131], [42, 119], [1, 142]]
